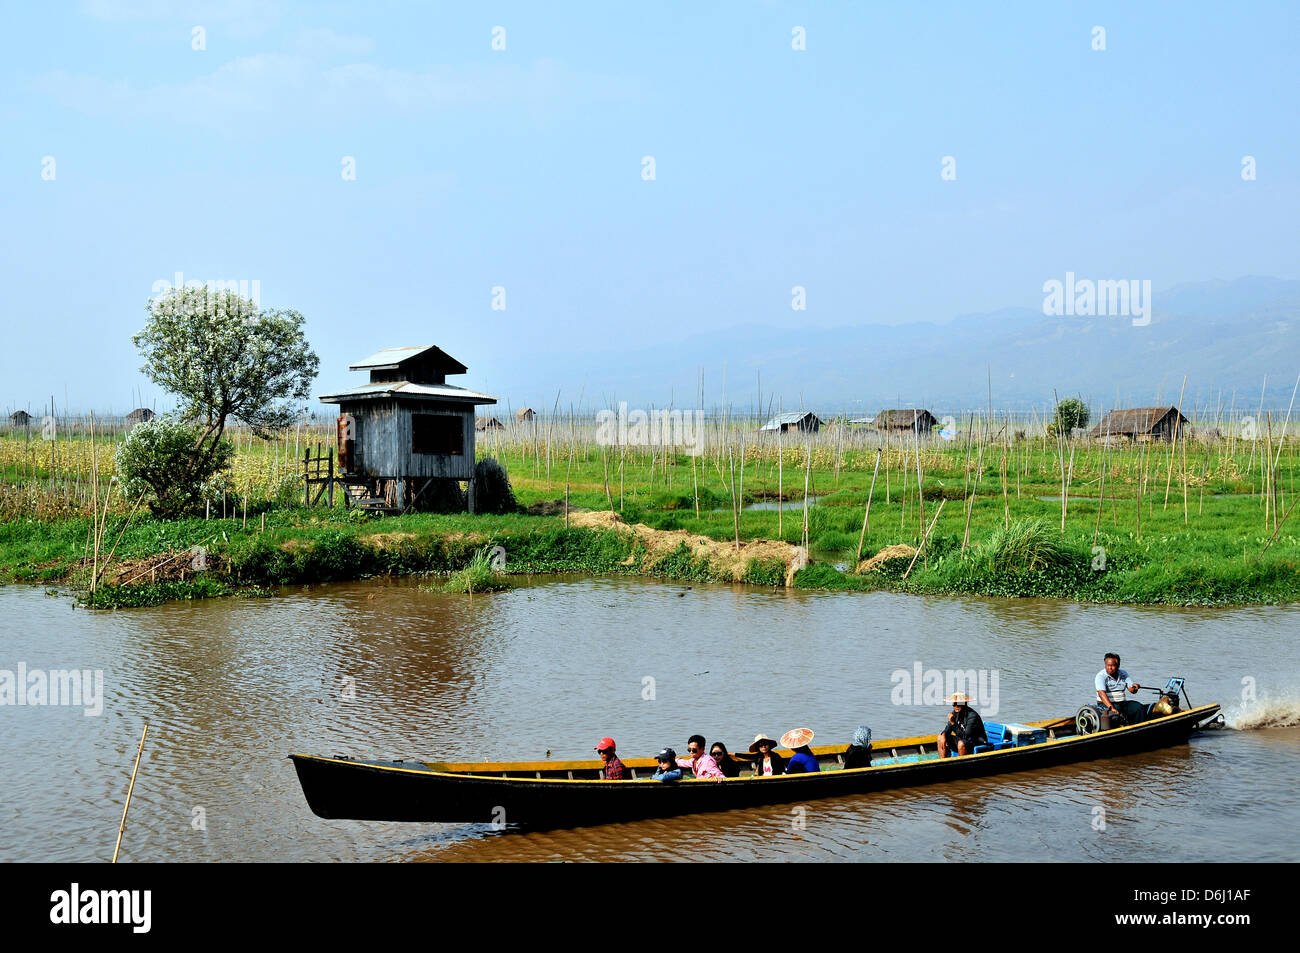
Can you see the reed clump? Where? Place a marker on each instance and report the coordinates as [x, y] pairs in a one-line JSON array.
[[478, 576], [1027, 545]]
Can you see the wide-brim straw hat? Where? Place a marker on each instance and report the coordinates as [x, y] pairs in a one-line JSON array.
[[759, 739], [797, 737], [958, 698]]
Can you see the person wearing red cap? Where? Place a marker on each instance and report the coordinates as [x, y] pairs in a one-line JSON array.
[[613, 769]]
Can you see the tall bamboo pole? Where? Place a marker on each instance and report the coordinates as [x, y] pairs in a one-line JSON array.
[[1101, 504], [920, 490], [866, 516], [740, 500], [735, 513], [924, 538], [780, 472], [94, 476], [807, 480], [130, 789], [1178, 426]]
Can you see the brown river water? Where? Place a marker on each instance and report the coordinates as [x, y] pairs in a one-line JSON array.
[[381, 669]]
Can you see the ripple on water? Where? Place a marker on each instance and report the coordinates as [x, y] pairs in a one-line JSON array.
[[381, 669]]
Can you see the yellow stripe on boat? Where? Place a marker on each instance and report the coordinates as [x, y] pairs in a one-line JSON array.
[[493, 770]]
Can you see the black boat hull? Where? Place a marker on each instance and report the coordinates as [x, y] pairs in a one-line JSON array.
[[344, 789]]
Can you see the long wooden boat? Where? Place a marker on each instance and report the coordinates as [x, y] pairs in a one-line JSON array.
[[548, 794]]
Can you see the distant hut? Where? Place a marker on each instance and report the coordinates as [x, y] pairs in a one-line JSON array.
[[1141, 423], [20, 418], [804, 420], [140, 415], [524, 414], [484, 424], [906, 419], [407, 427]]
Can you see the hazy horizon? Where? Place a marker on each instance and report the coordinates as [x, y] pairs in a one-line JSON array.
[[601, 201]]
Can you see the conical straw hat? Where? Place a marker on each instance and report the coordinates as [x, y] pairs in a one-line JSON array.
[[797, 737]]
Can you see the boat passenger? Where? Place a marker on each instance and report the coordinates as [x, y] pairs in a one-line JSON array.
[[965, 728], [614, 769], [667, 769], [702, 764], [1112, 682], [803, 761], [858, 754], [728, 765], [769, 762]]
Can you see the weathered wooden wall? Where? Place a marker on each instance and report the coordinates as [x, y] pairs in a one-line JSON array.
[[1164, 428], [383, 440]]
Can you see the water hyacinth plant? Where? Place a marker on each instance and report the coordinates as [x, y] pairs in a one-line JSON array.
[[478, 576]]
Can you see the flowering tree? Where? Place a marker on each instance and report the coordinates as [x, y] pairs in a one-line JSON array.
[[224, 358], [157, 462]]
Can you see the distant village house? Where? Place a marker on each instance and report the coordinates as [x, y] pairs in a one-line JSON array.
[[906, 419], [805, 421], [1141, 423]]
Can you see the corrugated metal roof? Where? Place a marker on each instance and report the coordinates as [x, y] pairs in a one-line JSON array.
[[780, 420], [393, 357], [389, 357], [407, 389]]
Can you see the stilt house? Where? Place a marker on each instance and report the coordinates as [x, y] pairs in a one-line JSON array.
[[407, 427]]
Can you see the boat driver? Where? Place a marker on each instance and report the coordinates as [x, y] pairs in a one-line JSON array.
[[1112, 683]]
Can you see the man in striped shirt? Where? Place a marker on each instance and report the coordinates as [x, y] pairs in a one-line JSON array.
[[1112, 683]]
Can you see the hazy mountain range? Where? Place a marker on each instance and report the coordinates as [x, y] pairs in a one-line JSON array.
[[1221, 334]]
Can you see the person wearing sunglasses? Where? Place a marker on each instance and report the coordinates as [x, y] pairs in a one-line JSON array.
[[728, 765], [667, 770], [702, 764], [769, 763], [614, 769]]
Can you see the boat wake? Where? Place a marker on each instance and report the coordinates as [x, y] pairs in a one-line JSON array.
[[1265, 712]]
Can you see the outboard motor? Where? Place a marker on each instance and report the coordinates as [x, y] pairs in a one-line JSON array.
[[1166, 704]]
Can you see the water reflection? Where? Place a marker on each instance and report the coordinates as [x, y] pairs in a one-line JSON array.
[[383, 669]]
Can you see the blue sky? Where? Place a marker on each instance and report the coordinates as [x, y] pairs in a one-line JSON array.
[[522, 168]]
